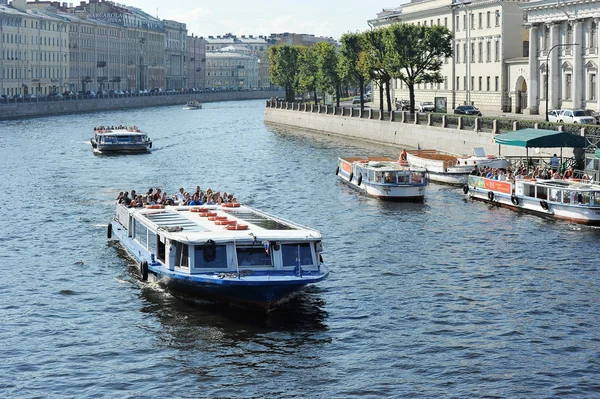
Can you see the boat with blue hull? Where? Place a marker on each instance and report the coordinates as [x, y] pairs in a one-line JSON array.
[[228, 253], [383, 178]]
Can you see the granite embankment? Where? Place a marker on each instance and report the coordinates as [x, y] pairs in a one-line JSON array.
[[17, 110], [450, 133]]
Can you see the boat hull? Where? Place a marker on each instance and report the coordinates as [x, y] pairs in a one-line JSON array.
[[260, 290], [121, 148], [440, 170]]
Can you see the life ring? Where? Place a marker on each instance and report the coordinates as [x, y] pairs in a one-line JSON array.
[[491, 195], [515, 200], [222, 222], [337, 171], [211, 214], [212, 218], [220, 217], [465, 189], [359, 179], [203, 214], [231, 205], [237, 227], [351, 176], [144, 270], [209, 253], [109, 232], [544, 205]]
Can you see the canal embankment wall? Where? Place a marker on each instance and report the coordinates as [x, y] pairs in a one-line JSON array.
[[16, 110], [451, 133]]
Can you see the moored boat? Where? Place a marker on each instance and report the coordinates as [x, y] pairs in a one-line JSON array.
[[193, 105], [230, 253], [445, 167], [383, 178], [120, 139], [572, 200]]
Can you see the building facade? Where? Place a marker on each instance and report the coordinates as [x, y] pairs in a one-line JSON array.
[[176, 54], [196, 62], [564, 57], [486, 33], [231, 70]]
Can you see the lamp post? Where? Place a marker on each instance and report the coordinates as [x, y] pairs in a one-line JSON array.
[[548, 70]]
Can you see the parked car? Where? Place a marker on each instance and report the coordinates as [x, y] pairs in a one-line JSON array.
[[30, 97], [593, 114], [426, 106], [576, 116], [68, 94], [368, 96], [55, 96], [356, 100], [467, 110], [402, 105], [554, 115]]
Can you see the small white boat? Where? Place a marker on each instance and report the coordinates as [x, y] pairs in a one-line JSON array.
[[229, 253], [383, 178], [193, 105], [450, 168], [121, 139], [573, 200]]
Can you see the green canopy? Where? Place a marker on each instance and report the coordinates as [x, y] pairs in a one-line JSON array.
[[540, 138]]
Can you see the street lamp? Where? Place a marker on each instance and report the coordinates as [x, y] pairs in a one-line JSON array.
[[548, 70]]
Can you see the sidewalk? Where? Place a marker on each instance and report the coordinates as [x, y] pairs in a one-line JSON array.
[[510, 115]]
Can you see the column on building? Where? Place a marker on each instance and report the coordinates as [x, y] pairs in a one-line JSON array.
[[534, 87], [578, 67], [554, 67], [596, 20]]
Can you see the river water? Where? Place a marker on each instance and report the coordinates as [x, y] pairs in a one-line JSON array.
[[449, 298]]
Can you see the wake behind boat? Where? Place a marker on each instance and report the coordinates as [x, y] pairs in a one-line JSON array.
[[383, 178], [193, 105], [450, 168], [120, 139], [228, 252]]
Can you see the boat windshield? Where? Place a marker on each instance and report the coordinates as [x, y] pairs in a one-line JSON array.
[[417, 177]]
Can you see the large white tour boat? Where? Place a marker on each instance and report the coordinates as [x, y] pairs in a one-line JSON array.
[[120, 139], [230, 253], [573, 200], [383, 178], [193, 105], [445, 167]]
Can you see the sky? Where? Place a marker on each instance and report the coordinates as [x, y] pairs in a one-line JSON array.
[[330, 18]]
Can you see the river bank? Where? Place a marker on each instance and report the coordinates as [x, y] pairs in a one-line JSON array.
[[451, 133], [16, 110]]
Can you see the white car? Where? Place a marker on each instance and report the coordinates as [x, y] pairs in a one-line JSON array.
[[554, 115], [426, 106], [576, 116]]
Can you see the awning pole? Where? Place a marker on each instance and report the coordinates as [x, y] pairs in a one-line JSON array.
[[527, 158]]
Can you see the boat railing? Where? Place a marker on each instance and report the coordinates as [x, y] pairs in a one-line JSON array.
[[123, 216]]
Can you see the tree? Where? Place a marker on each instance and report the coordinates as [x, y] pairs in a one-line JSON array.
[[416, 53], [373, 63], [307, 71], [283, 68], [328, 79], [349, 67]]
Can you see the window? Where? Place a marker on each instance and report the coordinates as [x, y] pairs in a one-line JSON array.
[[480, 51], [465, 21], [569, 35], [445, 82], [592, 95], [487, 83], [465, 54], [181, 255], [497, 50], [568, 86], [253, 256], [472, 87], [480, 20], [497, 17], [457, 22], [489, 19], [211, 257], [465, 82], [438, 22], [291, 252], [457, 55], [446, 22], [593, 35], [457, 83], [525, 48], [472, 52], [488, 51], [480, 81], [472, 21]]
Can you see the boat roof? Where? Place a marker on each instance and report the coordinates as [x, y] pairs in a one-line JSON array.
[[562, 183], [380, 163], [113, 132], [184, 223]]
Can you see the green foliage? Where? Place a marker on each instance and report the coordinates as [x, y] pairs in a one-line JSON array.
[[328, 79], [307, 70], [283, 68]]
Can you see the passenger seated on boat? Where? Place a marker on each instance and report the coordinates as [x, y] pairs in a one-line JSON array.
[[402, 158], [544, 175], [179, 196], [568, 174], [195, 200], [119, 196], [125, 200], [138, 202]]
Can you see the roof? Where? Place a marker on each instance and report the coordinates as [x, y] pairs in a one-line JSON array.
[[540, 138]]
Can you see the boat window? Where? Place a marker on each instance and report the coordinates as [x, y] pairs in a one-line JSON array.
[[542, 192], [253, 256], [585, 198], [140, 233], [371, 175], [210, 257], [389, 177], [555, 195], [417, 177], [402, 178], [123, 139], [529, 190], [289, 253], [152, 242], [181, 254]]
